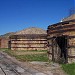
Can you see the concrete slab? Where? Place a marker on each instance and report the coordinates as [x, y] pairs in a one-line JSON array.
[[1, 72]]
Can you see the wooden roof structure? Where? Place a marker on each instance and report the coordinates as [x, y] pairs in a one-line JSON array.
[[61, 40], [29, 39], [31, 30], [72, 17], [62, 27]]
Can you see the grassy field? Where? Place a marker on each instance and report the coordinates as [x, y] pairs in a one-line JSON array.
[[28, 55], [69, 68], [35, 56]]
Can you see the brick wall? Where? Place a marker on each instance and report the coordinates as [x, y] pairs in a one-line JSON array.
[[4, 43]]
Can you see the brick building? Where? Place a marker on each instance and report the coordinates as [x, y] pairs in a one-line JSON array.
[[4, 42]]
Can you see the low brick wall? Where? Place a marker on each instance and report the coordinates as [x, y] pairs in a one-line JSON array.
[[4, 42]]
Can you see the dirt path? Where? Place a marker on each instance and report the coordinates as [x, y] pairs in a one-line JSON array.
[[46, 68], [11, 66]]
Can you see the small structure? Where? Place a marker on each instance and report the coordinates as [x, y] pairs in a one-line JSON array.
[[61, 40], [4, 40], [29, 39]]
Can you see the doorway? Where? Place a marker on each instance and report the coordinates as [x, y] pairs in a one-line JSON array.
[[61, 46]]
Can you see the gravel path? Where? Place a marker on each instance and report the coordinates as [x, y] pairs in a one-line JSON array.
[[11, 66]]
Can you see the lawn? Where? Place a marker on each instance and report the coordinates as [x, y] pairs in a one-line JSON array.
[[29, 55], [69, 68], [33, 57]]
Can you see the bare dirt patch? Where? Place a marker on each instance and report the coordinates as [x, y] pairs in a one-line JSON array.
[[28, 53], [45, 67], [41, 68]]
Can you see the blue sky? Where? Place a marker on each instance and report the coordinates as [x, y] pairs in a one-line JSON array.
[[16, 15]]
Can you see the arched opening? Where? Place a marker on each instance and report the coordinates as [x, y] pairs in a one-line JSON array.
[[61, 41]]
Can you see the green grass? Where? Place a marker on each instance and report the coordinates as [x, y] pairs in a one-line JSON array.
[[8, 51], [33, 57], [31, 50], [28, 57], [69, 68]]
